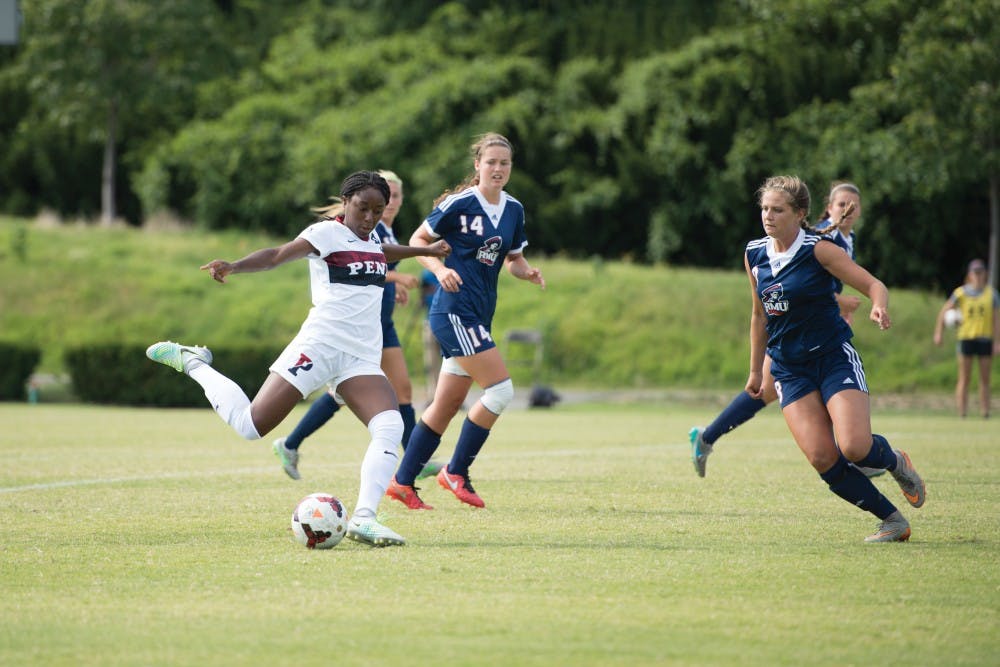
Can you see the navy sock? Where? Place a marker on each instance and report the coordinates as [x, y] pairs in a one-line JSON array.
[[420, 449], [879, 456], [409, 421], [470, 441], [318, 414], [740, 410], [850, 484]]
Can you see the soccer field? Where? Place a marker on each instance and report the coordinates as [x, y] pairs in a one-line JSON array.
[[159, 537]]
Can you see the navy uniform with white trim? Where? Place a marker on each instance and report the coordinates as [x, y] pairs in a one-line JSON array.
[[481, 236], [806, 334]]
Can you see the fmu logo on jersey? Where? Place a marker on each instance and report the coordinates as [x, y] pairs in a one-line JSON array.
[[774, 300], [490, 250]]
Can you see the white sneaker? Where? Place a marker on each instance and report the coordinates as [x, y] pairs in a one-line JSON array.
[[179, 357], [370, 531], [894, 528], [289, 458]]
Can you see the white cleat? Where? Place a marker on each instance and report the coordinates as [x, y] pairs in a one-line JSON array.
[[370, 531]]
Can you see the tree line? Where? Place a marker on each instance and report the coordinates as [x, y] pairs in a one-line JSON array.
[[641, 130]]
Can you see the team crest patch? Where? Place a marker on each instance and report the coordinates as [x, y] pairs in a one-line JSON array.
[[490, 250], [774, 300], [304, 364]]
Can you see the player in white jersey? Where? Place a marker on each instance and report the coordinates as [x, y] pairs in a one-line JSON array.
[[485, 228], [393, 362], [339, 343]]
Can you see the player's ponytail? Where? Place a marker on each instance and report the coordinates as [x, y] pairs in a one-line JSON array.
[[356, 182]]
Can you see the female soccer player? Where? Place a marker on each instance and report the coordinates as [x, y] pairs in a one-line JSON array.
[[340, 342], [843, 209], [978, 333], [393, 361], [818, 375], [485, 227]]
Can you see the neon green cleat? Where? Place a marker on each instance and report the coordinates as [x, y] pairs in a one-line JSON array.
[[430, 469], [173, 354]]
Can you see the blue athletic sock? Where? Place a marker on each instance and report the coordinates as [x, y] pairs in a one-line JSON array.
[[740, 410], [850, 484], [420, 449], [470, 441], [409, 421], [879, 456], [318, 414]]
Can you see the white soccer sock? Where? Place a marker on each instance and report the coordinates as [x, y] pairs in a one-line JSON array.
[[380, 461], [227, 399]]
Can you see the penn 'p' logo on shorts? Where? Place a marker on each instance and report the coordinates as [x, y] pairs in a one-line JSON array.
[[303, 364]]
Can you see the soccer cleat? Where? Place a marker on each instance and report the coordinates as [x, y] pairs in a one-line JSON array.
[[179, 357], [909, 481], [871, 472], [699, 450], [894, 528], [461, 486], [289, 458], [406, 495], [430, 469], [370, 531]]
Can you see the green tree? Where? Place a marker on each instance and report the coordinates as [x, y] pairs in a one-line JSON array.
[[111, 69]]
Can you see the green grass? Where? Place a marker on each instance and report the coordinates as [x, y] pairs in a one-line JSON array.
[[605, 323], [158, 537]]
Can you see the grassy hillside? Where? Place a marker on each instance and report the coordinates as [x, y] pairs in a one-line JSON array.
[[605, 323]]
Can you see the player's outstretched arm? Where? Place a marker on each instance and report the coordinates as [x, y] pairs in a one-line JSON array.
[[260, 260]]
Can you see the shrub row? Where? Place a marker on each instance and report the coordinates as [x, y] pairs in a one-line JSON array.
[[120, 374], [17, 362]]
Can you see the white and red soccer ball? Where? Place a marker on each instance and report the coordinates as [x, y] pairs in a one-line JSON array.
[[319, 521]]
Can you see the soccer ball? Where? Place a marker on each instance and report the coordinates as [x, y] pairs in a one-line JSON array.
[[319, 521], [952, 318]]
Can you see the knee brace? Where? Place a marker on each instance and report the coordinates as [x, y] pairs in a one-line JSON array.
[[498, 396]]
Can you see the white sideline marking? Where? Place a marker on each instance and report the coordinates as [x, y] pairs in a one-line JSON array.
[[45, 486]]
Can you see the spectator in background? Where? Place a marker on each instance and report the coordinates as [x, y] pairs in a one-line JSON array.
[[978, 333]]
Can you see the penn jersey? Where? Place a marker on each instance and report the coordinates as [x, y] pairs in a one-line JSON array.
[[346, 277], [803, 319], [481, 236], [385, 235]]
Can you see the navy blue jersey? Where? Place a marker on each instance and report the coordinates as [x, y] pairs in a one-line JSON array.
[[803, 319], [385, 235], [481, 236], [845, 241]]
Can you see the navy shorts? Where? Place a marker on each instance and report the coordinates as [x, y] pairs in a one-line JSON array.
[[976, 347], [830, 373], [389, 336], [458, 336]]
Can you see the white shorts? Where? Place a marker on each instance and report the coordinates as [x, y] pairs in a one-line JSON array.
[[308, 365]]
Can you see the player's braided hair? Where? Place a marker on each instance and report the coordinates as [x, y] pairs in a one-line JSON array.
[[834, 225], [353, 184], [483, 142]]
